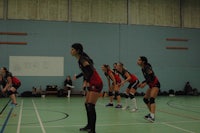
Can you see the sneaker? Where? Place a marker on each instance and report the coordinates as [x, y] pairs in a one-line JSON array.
[[126, 108], [133, 110], [150, 119], [146, 116], [86, 128], [14, 104], [91, 132], [109, 105], [118, 106]]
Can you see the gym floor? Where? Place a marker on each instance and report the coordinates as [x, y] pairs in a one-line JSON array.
[[179, 114]]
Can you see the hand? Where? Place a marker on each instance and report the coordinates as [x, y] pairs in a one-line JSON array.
[[74, 78], [141, 85], [122, 83], [3, 90]]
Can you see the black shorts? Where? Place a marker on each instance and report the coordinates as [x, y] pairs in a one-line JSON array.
[[16, 86], [133, 85]]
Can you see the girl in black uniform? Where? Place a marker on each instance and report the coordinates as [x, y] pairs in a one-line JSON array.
[[94, 85], [132, 87], [67, 84], [10, 84], [154, 86]]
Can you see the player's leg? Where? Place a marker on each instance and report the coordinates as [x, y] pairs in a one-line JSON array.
[[110, 94], [12, 94], [153, 95], [133, 99], [117, 95], [126, 99]]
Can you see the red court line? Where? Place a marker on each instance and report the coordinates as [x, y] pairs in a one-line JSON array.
[[14, 33], [177, 39], [14, 43], [177, 48]]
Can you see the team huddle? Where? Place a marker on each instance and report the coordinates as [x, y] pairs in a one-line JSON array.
[[94, 85]]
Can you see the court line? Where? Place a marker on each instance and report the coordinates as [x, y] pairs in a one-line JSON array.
[[38, 116], [7, 118], [169, 125], [20, 117], [115, 124], [5, 107]]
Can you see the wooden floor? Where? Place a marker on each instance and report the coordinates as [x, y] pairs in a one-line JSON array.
[[179, 114]]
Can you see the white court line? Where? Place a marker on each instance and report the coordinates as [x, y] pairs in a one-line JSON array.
[[20, 118], [188, 131], [118, 124], [38, 116]]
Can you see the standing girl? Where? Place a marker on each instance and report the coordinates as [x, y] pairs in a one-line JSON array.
[[94, 85], [115, 86], [132, 87], [154, 87]]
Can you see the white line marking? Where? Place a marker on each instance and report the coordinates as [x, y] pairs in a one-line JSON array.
[[188, 131], [38, 116], [20, 118]]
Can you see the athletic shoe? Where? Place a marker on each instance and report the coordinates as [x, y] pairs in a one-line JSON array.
[[109, 105], [126, 108], [133, 110], [146, 116], [86, 128], [150, 119], [118, 106], [91, 132], [14, 104]]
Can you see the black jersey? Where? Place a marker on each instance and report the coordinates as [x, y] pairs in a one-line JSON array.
[[86, 70], [69, 82], [148, 73]]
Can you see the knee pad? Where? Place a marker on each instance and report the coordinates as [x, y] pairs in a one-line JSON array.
[[110, 93], [10, 92], [116, 93], [131, 96], [146, 100], [152, 100]]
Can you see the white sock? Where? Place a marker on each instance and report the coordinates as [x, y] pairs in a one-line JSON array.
[[69, 92], [134, 103], [126, 102], [152, 115]]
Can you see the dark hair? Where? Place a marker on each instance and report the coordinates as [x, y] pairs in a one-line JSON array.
[[5, 69], [106, 66], [79, 48], [115, 63], [121, 64], [144, 59]]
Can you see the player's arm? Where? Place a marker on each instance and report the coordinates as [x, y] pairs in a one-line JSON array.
[[88, 70], [128, 78], [8, 84]]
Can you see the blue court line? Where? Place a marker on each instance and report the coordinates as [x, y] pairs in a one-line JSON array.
[[7, 118], [5, 107]]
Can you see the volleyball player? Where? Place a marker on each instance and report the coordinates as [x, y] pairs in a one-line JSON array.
[[94, 84], [154, 87], [10, 84], [131, 89], [114, 86]]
